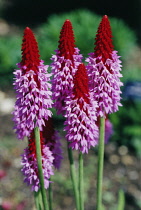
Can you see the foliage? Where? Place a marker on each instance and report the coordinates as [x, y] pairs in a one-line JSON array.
[[131, 73], [127, 125], [85, 24], [9, 56]]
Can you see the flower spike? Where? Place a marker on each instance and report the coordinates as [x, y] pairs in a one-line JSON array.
[[104, 69], [29, 163], [51, 156], [32, 89], [64, 66], [82, 132]]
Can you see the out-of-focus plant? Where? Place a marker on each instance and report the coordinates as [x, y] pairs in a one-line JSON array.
[[131, 73], [9, 54], [85, 24], [127, 125]]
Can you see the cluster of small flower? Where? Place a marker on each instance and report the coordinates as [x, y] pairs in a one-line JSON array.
[[32, 109], [81, 93]]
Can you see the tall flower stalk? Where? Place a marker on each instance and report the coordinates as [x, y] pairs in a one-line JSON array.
[[81, 128], [41, 164], [80, 124], [100, 163], [64, 67], [51, 156], [30, 115], [52, 139], [104, 69]]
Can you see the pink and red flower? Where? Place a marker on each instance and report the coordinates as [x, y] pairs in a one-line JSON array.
[[104, 69], [32, 89], [82, 132], [64, 67]]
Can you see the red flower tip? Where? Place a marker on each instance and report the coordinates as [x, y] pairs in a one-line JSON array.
[[66, 42], [68, 20], [27, 28], [105, 16], [48, 131], [30, 52], [103, 44], [81, 89]]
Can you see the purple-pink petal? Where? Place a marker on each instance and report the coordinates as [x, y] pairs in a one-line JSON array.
[[33, 100]]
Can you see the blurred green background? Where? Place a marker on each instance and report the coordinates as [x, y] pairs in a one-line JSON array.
[[46, 19]]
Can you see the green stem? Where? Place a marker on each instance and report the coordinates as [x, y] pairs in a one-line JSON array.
[[121, 200], [73, 177], [39, 162], [38, 200], [81, 183], [100, 163], [50, 196]]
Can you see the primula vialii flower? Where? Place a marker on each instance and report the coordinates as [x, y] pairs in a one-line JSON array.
[[64, 66], [104, 69], [30, 167], [51, 156], [32, 89], [82, 132]]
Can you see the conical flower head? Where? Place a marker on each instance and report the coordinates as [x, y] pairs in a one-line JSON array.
[[30, 167], [67, 42], [30, 52], [103, 44], [104, 69], [64, 66], [81, 89], [32, 89], [82, 132]]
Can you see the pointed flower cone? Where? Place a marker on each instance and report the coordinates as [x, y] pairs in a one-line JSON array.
[[64, 66], [82, 132], [30, 52], [104, 69], [29, 163], [67, 42], [32, 89]]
